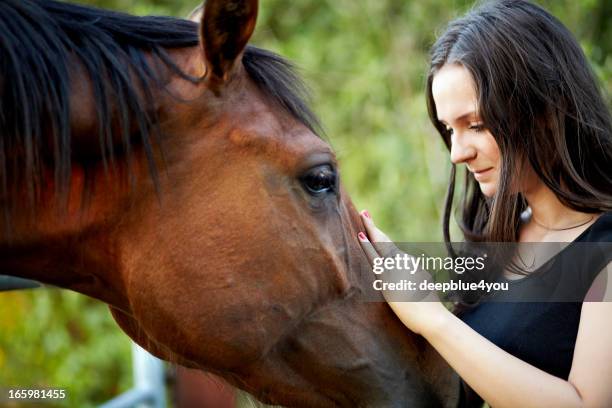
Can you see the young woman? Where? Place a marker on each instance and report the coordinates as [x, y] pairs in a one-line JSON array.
[[513, 97]]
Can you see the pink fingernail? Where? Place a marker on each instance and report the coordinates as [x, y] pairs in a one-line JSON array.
[[366, 214], [362, 236]]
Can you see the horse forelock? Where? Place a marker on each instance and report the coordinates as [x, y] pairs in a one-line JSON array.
[[121, 54]]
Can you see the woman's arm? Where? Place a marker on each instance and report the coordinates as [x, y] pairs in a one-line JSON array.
[[504, 380], [591, 371]]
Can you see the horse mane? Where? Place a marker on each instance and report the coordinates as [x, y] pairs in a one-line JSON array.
[[39, 40]]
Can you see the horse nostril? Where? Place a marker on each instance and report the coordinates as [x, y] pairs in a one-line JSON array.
[[292, 345]]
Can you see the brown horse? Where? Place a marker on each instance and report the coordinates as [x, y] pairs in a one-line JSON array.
[[180, 179]]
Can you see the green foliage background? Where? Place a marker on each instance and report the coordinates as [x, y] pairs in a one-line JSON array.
[[365, 62]]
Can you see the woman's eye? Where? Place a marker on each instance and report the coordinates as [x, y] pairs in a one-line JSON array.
[[477, 127], [320, 180], [449, 131]]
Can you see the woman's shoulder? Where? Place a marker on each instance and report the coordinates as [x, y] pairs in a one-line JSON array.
[[592, 252], [600, 230]]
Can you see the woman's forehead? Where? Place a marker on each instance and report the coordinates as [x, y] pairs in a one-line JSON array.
[[454, 93]]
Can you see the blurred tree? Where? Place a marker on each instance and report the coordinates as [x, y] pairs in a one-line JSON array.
[[60, 339]]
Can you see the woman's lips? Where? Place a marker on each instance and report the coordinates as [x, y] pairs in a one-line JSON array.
[[480, 174]]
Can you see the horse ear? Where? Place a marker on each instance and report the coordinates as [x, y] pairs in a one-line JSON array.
[[196, 14], [226, 28]]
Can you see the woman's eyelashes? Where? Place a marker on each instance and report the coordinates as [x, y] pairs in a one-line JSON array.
[[476, 127]]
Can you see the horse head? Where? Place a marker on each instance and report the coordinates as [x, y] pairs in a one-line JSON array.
[[214, 222]]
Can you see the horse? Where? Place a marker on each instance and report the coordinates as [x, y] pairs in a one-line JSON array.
[[177, 173]]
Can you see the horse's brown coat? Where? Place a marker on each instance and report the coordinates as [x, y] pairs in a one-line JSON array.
[[236, 269]]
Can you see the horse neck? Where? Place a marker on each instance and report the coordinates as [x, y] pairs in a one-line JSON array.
[[83, 263], [72, 241]]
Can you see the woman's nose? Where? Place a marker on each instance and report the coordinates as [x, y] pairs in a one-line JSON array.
[[461, 150]]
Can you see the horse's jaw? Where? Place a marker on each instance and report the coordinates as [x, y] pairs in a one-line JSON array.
[[344, 362], [351, 352]]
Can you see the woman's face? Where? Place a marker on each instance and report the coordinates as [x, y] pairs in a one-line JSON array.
[[454, 94]]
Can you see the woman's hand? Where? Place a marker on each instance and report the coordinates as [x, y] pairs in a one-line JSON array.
[[420, 311]]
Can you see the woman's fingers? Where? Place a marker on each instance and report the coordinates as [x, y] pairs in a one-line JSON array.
[[381, 242], [368, 248], [374, 233], [380, 246]]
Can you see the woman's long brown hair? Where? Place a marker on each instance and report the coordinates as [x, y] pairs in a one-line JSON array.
[[539, 98]]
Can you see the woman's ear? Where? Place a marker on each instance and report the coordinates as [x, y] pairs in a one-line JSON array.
[[225, 29]]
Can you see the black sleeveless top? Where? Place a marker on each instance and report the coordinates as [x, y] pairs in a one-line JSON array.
[[543, 334]]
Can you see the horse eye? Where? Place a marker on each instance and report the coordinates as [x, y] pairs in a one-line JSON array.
[[320, 180]]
